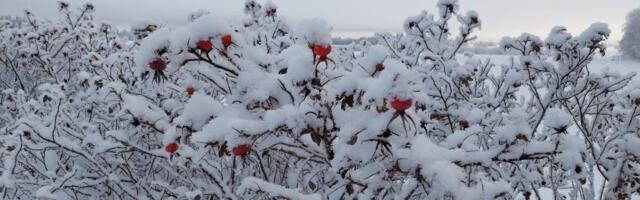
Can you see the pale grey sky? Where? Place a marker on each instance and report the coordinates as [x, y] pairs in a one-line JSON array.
[[355, 17]]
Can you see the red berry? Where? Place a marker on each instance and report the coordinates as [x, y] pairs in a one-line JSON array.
[[171, 148], [205, 45], [321, 51], [190, 90], [158, 64], [464, 124], [379, 67], [227, 40], [400, 105], [241, 150]]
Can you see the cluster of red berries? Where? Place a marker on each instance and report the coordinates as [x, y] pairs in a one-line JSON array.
[[207, 45], [159, 64], [238, 150]]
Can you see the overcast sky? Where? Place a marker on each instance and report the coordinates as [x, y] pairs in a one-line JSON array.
[[355, 17]]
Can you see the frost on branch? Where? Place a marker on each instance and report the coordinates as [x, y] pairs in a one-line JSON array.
[[258, 185], [259, 109]]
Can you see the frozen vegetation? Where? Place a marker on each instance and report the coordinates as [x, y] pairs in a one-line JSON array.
[[264, 109]]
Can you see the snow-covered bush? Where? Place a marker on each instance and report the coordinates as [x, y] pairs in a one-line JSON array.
[[630, 43], [261, 109]]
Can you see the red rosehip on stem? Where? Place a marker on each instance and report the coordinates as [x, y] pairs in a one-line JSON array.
[[400, 105], [226, 40], [158, 64], [190, 90], [205, 45], [322, 50], [171, 148], [241, 150]]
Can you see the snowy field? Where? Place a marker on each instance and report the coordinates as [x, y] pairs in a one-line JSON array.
[[609, 62]]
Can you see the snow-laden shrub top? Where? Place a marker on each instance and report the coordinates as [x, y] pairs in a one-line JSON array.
[[259, 109], [630, 42]]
